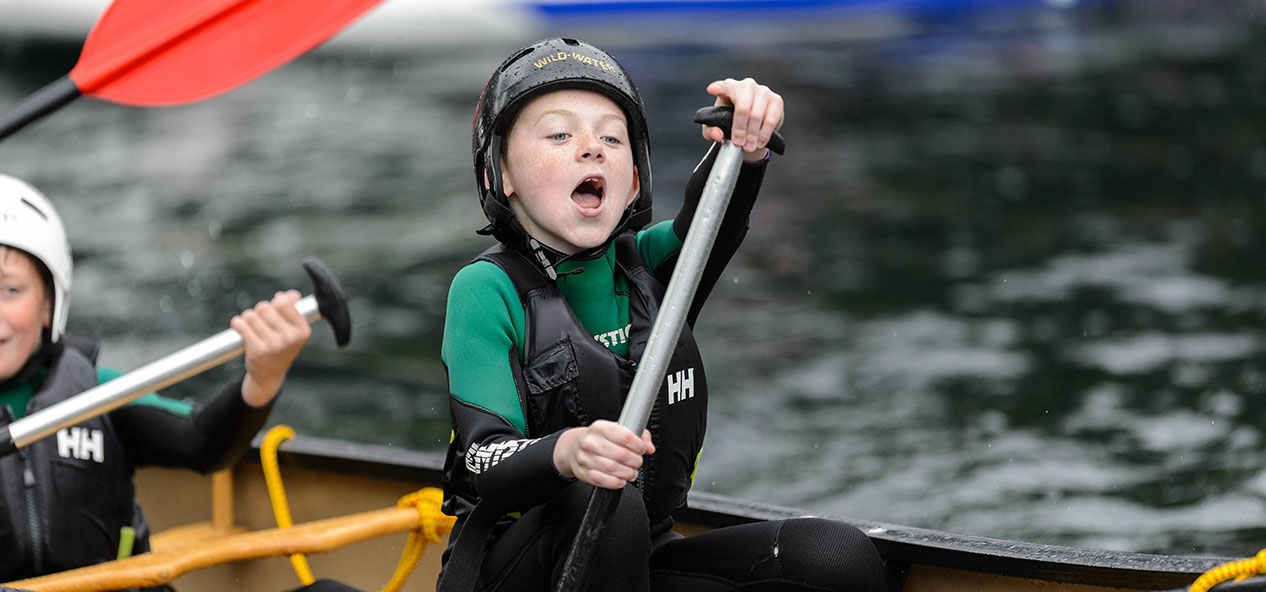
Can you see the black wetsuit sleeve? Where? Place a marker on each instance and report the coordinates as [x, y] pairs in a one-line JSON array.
[[507, 470], [209, 439], [733, 229]]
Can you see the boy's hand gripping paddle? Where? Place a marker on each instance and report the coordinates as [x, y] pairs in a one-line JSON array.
[[327, 301], [167, 52], [664, 333]]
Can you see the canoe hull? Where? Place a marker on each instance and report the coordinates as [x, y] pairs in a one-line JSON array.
[[326, 478]]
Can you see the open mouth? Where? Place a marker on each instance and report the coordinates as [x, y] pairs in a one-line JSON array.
[[588, 194]]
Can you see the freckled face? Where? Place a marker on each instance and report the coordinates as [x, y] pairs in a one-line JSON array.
[[25, 310], [568, 168]]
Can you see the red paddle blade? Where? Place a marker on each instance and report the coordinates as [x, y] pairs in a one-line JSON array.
[[167, 52]]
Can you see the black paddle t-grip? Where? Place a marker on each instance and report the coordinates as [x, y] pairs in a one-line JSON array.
[[723, 117], [330, 299]]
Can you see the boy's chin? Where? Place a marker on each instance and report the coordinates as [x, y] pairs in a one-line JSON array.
[[580, 244], [590, 242]]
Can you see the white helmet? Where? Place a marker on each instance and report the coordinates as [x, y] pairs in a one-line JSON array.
[[29, 222]]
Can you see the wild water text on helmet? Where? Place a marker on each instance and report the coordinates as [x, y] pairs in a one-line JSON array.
[[577, 56]]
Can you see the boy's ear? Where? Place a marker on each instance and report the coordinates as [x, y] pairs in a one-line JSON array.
[[507, 187], [46, 313], [637, 187]]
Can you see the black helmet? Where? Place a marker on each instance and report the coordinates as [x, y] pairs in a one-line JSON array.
[[540, 67]]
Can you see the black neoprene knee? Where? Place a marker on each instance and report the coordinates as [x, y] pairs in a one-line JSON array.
[[829, 554]]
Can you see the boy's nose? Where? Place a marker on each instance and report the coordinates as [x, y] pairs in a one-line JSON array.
[[591, 148]]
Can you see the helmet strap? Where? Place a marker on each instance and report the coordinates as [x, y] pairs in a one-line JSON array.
[[539, 251], [543, 254]]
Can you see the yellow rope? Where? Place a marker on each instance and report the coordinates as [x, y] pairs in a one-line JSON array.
[[1237, 570], [432, 525], [277, 493]]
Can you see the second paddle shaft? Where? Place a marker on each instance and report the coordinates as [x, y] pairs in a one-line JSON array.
[[166, 371]]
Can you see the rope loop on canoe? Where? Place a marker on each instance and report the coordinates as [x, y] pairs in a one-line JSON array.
[[277, 493], [433, 524], [1236, 570]]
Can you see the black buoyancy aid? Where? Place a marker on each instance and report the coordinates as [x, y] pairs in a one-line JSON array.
[[66, 497], [569, 379]]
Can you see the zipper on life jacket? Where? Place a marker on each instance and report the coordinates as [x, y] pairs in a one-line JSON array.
[[640, 483], [32, 515], [36, 533]]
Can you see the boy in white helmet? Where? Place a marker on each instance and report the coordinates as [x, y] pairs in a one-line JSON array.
[[67, 500], [543, 332]]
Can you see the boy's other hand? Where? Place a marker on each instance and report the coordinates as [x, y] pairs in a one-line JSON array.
[[272, 335]]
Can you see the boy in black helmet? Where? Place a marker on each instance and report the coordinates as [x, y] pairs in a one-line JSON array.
[[543, 331]]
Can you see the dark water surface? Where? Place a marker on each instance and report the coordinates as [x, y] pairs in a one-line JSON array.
[[1010, 279]]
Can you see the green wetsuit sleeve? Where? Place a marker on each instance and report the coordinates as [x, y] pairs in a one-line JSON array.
[[483, 325], [657, 243], [106, 374]]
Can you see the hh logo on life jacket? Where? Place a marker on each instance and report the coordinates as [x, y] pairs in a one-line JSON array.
[[81, 443], [681, 385]]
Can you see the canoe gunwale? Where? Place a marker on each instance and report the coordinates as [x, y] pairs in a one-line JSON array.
[[896, 543], [354, 458], [1052, 563]]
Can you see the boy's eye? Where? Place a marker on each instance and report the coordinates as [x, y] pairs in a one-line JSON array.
[[612, 140], [559, 136]]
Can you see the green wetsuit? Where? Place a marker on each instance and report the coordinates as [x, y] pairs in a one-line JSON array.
[[495, 457], [497, 464]]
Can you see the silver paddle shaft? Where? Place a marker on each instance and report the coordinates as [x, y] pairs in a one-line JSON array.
[[681, 288], [205, 354]]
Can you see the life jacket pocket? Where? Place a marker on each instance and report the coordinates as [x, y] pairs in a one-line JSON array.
[[553, 394], [551, 368]]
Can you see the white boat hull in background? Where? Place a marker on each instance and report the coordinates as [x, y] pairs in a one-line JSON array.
[[401, 25]]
